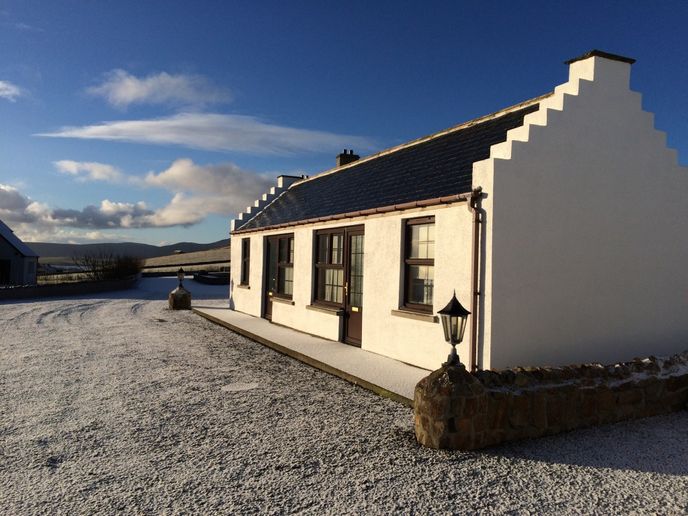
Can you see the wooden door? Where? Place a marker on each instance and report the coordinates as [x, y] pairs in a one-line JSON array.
[[353, 287], [270, 276]]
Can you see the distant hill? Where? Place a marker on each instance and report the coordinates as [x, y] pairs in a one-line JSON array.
[[63, 253]]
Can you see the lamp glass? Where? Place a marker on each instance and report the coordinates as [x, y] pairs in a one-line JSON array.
[[446, 326]]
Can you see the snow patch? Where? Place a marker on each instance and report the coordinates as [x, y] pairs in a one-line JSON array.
[[238, 387]]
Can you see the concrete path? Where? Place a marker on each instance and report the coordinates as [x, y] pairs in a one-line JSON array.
[[383, 375]]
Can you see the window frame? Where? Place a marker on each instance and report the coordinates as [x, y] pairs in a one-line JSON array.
[[408, 262], [245, 261], [281, 264], [318, 265]]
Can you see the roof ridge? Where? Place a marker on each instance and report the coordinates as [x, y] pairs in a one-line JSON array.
[[423, 139], [8, 235]]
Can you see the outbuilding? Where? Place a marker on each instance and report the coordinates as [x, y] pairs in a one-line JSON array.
[[18, 262], [561, 223]]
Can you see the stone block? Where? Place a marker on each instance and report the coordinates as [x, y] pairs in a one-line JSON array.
[[606, 400], [555, 411], [677, 383], [519, 410], [448, 399], [539, 410], [653, 388], [480, 423], [471, 406], [179, 299], [588, 407], [497, 413], [630, 396]]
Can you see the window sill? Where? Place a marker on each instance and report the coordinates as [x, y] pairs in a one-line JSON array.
[[247, 287], [325, 309], [282, 300], [418, 316]]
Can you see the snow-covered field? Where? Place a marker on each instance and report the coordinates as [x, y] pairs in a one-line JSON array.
[[117, 404]]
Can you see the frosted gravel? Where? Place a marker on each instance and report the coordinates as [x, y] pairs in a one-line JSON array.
[[118, 404]]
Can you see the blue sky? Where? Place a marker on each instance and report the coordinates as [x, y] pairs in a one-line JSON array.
[[157, 121]]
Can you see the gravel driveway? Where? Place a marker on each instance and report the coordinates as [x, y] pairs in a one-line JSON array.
[[119, 404]]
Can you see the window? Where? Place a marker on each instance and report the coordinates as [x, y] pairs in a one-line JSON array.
[[285, 266], [329, 267], [419, 263], [280, 265], [245, 260]]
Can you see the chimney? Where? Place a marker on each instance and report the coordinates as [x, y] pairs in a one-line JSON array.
[[600, 66], [346, 157]]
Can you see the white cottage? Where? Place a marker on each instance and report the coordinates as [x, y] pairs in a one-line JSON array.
[[561, 223], [18, 262]]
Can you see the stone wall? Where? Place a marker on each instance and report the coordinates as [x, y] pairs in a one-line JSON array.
[[455, 409], [81, 288]]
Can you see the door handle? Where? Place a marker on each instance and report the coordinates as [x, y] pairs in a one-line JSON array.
[[346, 288]]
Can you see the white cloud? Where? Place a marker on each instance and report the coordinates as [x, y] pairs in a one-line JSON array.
[[226, 179], [89, 171], [122, 89], [26, 27], [9, 91], [217, 132], [198, 191]]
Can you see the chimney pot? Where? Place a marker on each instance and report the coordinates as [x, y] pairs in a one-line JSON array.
[[347, 157]]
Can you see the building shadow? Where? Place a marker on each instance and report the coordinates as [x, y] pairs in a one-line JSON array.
[[146, 289], [651, 445]]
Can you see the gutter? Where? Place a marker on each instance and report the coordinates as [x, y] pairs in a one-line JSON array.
[[361, 213], [475, 207]]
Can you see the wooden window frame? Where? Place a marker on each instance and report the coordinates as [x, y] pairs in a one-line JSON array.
[[282, 264], [245, 261], [279, 264], [408, 223], [318, 265]]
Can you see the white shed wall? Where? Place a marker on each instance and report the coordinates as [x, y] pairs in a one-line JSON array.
[[416, 342], [586, 236]]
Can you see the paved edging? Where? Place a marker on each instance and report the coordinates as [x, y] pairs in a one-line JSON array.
[[313, 362]]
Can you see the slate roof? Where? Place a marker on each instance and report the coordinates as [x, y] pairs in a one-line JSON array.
[[436, 166], [13, 240]]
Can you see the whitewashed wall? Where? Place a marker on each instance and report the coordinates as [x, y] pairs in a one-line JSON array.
[[587, 230], [416, 342]]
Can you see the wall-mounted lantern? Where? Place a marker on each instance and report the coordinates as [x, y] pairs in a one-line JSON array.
[[454, 317]]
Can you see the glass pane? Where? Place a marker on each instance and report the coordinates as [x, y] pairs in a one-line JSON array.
[[321, 284], [283, 249], [356, 273], [322, 248], [431, 250], [420, 284], [334, 281], [414, 241], [272, 265], [291, 250], [422, 241], [286, 280], [337, 249], [422, 233]]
